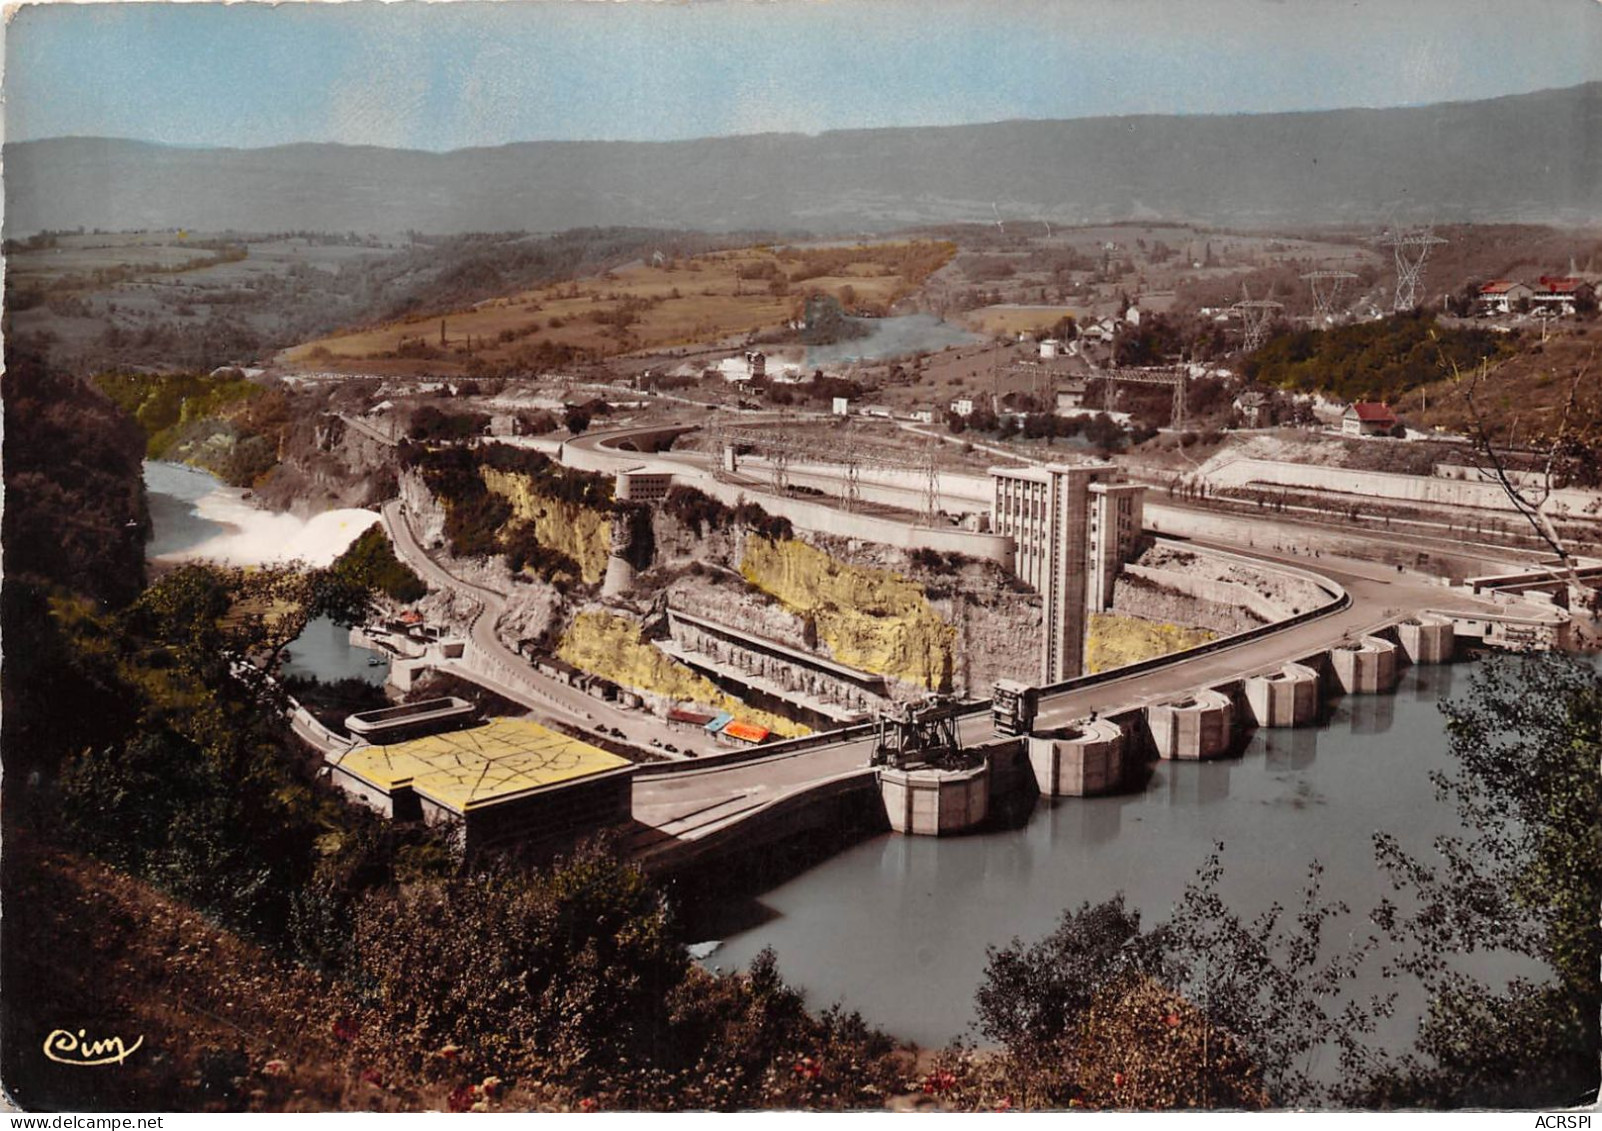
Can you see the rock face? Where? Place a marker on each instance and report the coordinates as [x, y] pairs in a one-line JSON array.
[[427, 513], [996, 624], [1151, 600], [998, 634], [580, 532], [324, 464], [1116, 640], [867, 618]]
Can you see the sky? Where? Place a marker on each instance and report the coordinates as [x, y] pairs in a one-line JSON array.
[[442, 76]]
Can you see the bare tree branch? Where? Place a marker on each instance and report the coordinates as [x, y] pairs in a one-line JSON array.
[[1530, 502]]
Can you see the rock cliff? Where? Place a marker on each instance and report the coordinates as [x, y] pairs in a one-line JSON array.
[[611, 646], [582, 533], [870, 619]]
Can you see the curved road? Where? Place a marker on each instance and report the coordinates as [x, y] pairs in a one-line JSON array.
[[502, 670]]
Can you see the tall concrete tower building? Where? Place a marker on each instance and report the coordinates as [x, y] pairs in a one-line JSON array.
[[1072, 528]]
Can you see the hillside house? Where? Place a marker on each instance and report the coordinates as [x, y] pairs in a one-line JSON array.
[[1253, 407], [1502, 296], [1561, 295], [1368, 418], [1071, 396]]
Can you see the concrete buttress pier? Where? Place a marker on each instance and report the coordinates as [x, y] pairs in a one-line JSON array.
[[1367, 667], [932, 802], [1084, 759], [1286, 698], [1427, 639], [1201, 725]]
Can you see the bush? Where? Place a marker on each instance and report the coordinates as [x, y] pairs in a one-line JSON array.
[[702, 513], [431, 425], [371, 562]]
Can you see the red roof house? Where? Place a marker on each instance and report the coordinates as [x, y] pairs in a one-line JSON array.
[[1368, 418]]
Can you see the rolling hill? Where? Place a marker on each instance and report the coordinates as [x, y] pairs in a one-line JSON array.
[[1534, 158]]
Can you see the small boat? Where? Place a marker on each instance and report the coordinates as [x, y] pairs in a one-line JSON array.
[[375, 661]]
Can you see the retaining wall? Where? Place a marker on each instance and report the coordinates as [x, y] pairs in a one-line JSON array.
[[1214, 590], [824, 519], [1144, 598], [1420, 489]]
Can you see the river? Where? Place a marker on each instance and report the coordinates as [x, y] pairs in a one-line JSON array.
[[195, 516], [897, 927], [892, 337]]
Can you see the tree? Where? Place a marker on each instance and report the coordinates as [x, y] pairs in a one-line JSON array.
[[1527, 878], [1566, 452], [1261, 996]]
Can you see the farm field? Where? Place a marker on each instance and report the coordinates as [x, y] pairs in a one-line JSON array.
[[68, 258], [641, 306], [1010, 319]]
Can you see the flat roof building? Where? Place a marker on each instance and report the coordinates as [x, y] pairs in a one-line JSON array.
[[509, 781], [637, 485]]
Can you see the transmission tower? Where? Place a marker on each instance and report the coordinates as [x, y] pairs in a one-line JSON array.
[[783, 452], [931, 486], [1326, 287], [1255, 315], [1412, 247]]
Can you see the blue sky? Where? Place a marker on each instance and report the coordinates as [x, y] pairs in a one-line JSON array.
[[448, 75]]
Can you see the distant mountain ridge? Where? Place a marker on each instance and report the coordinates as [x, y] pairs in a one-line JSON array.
[[1534, 158]]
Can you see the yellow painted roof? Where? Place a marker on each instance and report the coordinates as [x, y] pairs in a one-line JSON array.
[[470, 767]]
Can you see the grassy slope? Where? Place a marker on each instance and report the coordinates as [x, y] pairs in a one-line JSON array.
[[99, 951]]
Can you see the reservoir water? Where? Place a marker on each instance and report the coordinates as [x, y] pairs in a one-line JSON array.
[[896, 927], [177, 494], [323, 650]]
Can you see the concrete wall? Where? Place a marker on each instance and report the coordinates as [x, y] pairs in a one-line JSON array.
[[1150, 599], [960, 492], [1215, 591], [823, 519], [851, 798], [1420, 489], [359, 790]]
